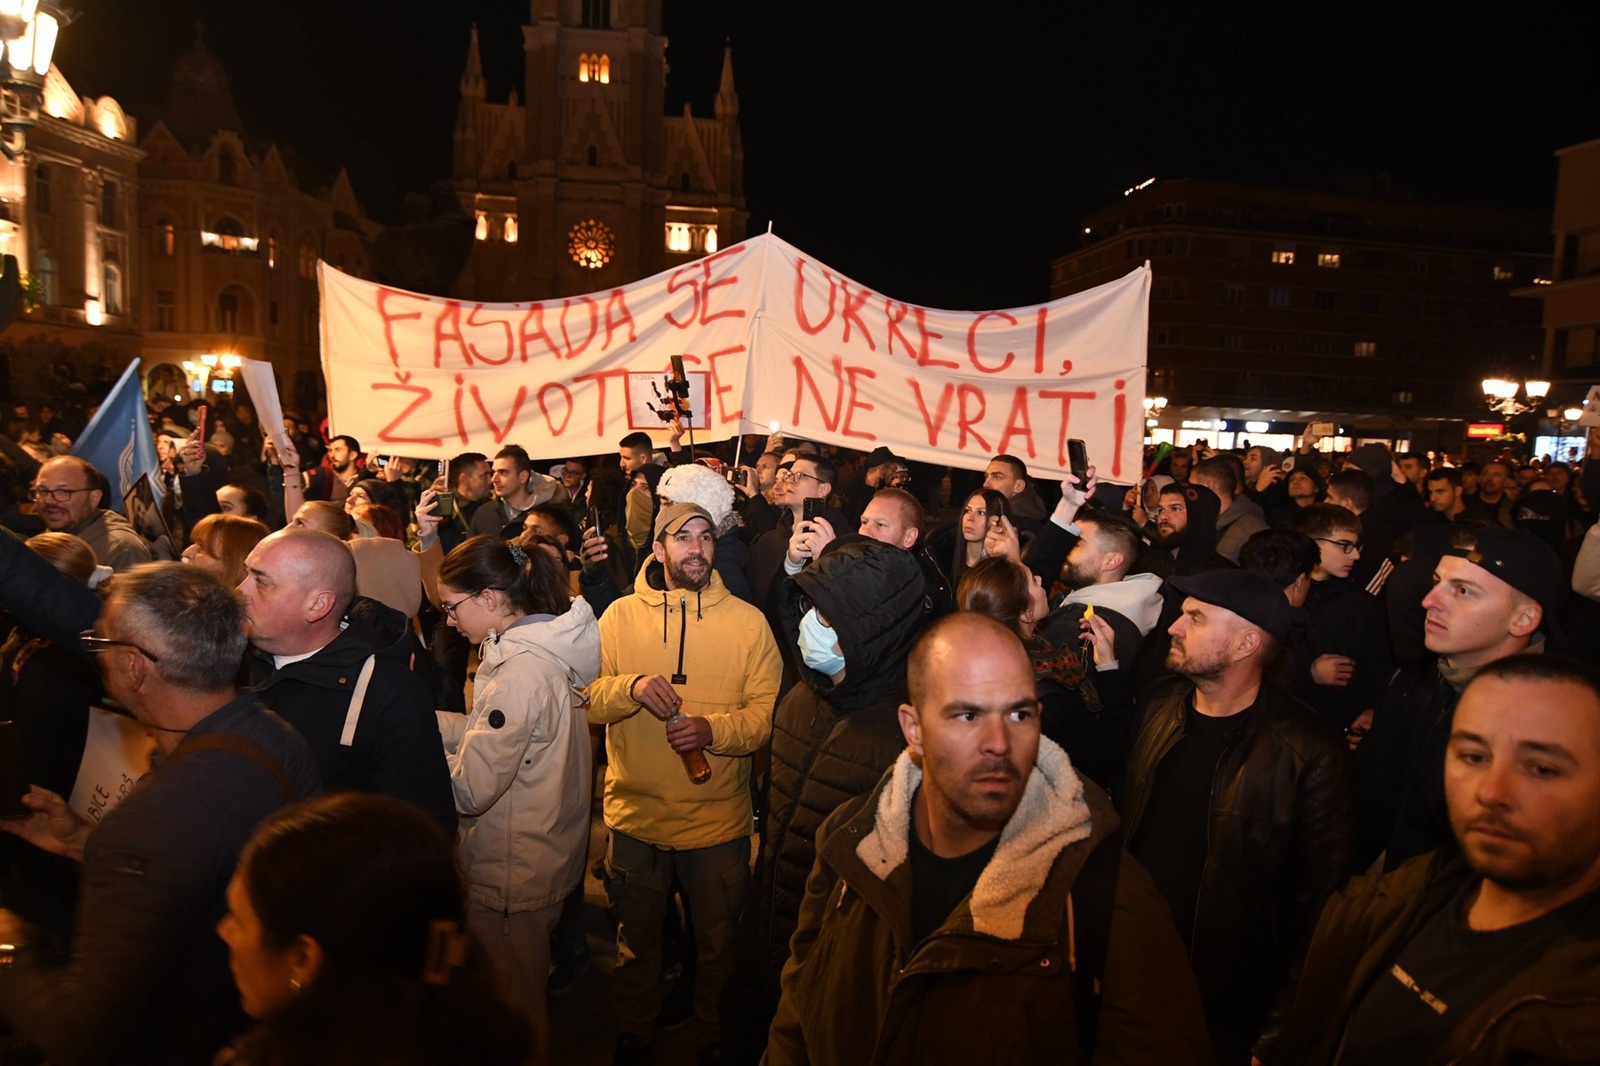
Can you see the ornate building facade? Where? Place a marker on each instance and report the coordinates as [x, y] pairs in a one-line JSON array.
[[583, 181], [68, 214], [230, 237]]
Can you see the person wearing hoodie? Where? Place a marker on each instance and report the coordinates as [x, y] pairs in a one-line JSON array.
[[1240, 517], [1186, 534], [519, 762], [976, 905], [336, 666], [677, 797], [68, 493], [854, 614], [691, 483]]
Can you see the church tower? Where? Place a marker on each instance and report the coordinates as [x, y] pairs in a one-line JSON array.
[[584, 182]]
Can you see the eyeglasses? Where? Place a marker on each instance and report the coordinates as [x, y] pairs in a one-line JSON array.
[[796, 475], [449, 609], [1349, 547], [93, 642], [39, 492]]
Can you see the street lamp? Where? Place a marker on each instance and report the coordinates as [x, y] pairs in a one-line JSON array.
[[28, 32], [1501, 395]]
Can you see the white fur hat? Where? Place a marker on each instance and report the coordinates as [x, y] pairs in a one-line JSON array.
[[698, 484]]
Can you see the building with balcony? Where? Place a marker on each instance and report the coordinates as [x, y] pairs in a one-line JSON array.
[[68, 214], [583, 182], [1365, 307], [230, 232]]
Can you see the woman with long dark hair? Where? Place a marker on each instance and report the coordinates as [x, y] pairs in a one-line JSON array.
[[345, 936], [520, 761], [978, 512], [1072, 714]]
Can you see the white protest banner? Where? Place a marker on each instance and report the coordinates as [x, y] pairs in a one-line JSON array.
[[263, 389], [116, 754], [766, 334]]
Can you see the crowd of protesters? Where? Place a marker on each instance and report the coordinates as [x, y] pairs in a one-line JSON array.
[[1268, 757]]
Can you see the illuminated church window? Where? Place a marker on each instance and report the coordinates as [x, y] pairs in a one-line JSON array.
[[482, 232], [594, 68], [591, 244], [510, 229]]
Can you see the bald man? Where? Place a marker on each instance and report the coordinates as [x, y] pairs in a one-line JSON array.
[[971, 842], [347, 688]]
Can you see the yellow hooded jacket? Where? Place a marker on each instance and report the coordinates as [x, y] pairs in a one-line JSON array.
[[732, 669]]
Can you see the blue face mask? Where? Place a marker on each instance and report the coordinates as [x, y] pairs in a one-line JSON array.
[[819, 645]]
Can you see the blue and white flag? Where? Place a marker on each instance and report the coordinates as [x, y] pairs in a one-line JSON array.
[[118, 440]]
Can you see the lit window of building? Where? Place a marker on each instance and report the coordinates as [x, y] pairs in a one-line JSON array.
[[308, 260], [111, 290], [509, 231], [272, 253], [167, 237], [594, 68], [482, 232], [1366, 349], [677, 237], [1328, 259], [1283, 256], [44, 272]]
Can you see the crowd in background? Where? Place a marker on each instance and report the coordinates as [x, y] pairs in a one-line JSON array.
[[1246, 667]]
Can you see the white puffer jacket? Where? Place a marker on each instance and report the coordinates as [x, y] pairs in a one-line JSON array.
[[520, 763]]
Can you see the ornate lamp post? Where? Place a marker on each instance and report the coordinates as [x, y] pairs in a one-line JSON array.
[[1501, 395], [28, 32]]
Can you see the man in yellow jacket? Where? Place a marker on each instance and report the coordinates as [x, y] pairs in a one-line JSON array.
[[685, 652]]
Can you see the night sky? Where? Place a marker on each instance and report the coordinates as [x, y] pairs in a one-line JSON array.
[[942, 153]]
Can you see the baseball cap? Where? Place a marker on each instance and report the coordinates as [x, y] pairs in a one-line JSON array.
[[673, 516], [1253, 597], [1521, 560]]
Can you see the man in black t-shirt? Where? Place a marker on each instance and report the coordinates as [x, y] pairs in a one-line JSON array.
[[1491, 953], [1235, 799]]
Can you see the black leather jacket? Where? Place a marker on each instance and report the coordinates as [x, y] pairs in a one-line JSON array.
[[1279, 844]]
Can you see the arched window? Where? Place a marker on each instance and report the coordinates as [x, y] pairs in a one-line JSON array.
[[583, 67], [509, 230], [272, 252], [308, 260], [111, 289], [482, 230], [228, 313], [44, 268], [605, 70], [166, 236]]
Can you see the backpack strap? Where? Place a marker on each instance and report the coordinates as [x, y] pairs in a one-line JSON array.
[[357, 698], [246, 749], [1089, 914]]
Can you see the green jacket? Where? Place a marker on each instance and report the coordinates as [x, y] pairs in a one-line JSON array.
[[1549, 1013], [992, 985]]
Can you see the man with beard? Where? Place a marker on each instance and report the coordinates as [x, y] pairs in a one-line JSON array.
[[1234, 798], [343, 468], [1487, 954], [975, 905], [680, 650], [1186, 533]]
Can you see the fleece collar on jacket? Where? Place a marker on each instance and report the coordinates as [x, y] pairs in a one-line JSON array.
[[1137, 597], [1053, 814]]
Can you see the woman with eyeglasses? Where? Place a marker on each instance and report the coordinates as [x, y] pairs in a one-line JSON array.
[[520, 762]]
